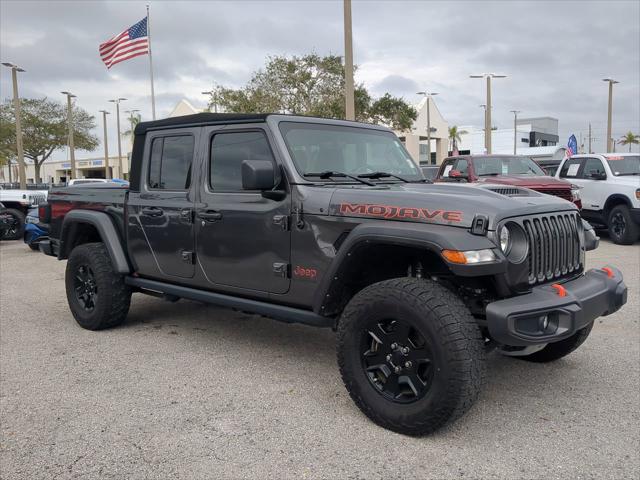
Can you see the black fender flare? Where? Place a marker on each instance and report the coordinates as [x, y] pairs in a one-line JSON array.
[[434, 238], [108, 233]]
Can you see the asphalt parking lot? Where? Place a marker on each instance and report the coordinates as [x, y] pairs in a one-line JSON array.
[[184, 390]]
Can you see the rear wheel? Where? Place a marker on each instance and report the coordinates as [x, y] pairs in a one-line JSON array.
[[410, 354], [97, 295], [622, 229], [16, 229]]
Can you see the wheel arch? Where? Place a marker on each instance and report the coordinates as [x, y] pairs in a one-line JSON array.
[[85, 226], [394, 248], [613, 201]]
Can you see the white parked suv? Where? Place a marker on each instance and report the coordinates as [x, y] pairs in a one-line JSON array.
[[610, 191]]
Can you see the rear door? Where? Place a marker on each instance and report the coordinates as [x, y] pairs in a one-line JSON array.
[[243, 238], [571, 171], [161, 233]]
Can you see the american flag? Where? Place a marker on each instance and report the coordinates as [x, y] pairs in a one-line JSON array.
[[134, 41]]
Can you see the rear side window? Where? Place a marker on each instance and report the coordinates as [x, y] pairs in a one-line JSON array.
[[228, 151], [570, 168], [170, 163]]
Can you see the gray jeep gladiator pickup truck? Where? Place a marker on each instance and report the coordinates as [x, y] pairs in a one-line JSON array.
[[330, 223]]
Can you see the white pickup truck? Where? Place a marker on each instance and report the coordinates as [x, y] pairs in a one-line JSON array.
[[610, 191], [17, 202]]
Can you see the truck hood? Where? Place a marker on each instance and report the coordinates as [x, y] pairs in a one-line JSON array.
[[626, 180], [438, 203], [527, 181]]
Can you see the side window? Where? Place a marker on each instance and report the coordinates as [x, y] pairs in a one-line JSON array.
[[462, 166], [228, 151], [592, 166], [170, 163], [570, 168]]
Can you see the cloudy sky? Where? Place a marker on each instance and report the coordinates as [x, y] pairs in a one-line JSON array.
[[555, 53]]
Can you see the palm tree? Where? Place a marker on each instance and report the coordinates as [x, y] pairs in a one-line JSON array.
[[134, 120], [629, 138], [454, 137]]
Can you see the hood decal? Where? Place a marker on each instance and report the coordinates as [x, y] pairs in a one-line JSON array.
[[376, 210]]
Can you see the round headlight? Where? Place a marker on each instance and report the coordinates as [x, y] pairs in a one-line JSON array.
[[505, 239]]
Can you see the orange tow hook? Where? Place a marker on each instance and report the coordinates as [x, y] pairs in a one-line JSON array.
[[560, 290], [608, 271]]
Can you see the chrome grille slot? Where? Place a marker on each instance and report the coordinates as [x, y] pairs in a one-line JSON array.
[[554, 245]]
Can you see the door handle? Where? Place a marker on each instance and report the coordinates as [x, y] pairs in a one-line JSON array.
[[210, 215], [152, 211]]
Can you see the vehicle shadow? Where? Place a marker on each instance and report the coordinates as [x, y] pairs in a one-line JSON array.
[[511, 386]]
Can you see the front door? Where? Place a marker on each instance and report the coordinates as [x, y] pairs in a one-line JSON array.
[[243, 238], [161, 234]]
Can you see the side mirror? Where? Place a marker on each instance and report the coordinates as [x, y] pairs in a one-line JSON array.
[[258, 175], [598, 176]]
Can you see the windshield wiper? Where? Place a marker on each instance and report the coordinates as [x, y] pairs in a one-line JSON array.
[[625, 174], [489, 174], [374, 175], [330, 173]]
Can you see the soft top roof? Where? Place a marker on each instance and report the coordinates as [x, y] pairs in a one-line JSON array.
[[201, 118]]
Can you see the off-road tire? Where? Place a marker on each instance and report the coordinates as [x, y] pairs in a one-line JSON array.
[[19, 232], [455, 340], [556, 350], [631, 228], [113, 296]]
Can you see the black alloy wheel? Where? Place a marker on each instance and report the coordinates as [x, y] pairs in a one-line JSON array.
[[397, 360], [85, 287], [618, 224]]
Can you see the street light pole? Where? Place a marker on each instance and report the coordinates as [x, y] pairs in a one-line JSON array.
[[106, 145], [16, 105], [515, 130], [428, 96], [487, 117], [611, 81], [117, 102], [72, 153], [214, 98], [349, 95]]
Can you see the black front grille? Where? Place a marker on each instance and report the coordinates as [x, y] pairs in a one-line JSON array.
[[555, 247]]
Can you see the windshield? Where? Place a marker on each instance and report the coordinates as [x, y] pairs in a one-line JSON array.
[[627, 165], [317, 148], [506, 166]]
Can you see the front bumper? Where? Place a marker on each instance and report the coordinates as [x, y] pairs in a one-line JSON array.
[[552, 313]]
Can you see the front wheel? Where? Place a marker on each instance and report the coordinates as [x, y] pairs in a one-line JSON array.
[[622, 229], [97, 295], [16, 229], [410, 355]]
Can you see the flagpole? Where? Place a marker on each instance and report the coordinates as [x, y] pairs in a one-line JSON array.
[[153, 95]]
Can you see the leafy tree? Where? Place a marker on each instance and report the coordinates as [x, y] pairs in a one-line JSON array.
[[454, 137], [629, 138], [44, 130], [134, 120], [310, 85]]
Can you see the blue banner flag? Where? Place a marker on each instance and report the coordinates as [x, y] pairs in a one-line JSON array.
[[572, 145]]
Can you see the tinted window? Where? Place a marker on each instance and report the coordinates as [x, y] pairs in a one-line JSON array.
[[317, 148], [228, 150], [170, 165], [592, 166], [459, 164], [570, 168]]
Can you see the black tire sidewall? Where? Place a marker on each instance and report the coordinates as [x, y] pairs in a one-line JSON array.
[[397, 412], [631, 229], [100, 316], [20, 217]]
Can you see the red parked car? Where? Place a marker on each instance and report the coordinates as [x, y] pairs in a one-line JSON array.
[[513, 170]]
